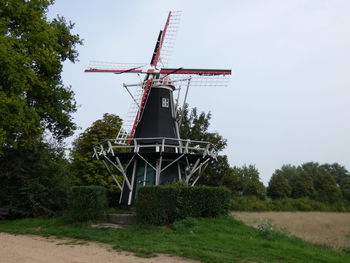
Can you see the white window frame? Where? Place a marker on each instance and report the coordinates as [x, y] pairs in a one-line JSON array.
[[165, 102]]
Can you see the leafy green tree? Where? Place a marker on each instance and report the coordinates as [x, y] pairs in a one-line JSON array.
[[194, 126], [215, 172], [339, 172], [326, 187], [302, 185], [86, 170], [312, 180], [279, 187], [32, 95], [288, 171], [34, 102], [233, 179], [34, 180], [310, 168], [251, 182], [345, 188], [341, 176]]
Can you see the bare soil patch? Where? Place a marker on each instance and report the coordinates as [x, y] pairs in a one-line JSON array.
[[34, 249], [326, 228]]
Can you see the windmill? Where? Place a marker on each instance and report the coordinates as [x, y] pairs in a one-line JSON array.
[[148, 149]]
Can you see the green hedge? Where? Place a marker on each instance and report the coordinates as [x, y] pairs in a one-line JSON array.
[[86, 202], [166, 203], [252, 203]]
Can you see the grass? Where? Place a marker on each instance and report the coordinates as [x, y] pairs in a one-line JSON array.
[[221, 239]]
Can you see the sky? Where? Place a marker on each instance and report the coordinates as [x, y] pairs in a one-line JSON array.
[[288, 99]]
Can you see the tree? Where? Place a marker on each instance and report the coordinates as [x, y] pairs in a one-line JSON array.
[[312, 180], [299, 181], [336, 170], [279, 187], [288, 171], [310, 168], [32, 95], [326, 187], [341, 176], [251, 182], [302, 185], [85, 170], [195, 126], [34, 102], [34, 180], [215, 172], [233, 180], [345, 188]]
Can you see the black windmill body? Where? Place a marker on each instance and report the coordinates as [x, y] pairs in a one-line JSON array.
[[148, 149]]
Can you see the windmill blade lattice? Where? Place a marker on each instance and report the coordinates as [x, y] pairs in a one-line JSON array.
[[201, 81], [113, 67], [166, 42]]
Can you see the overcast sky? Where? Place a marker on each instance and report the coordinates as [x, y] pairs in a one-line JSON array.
[[288, 100]]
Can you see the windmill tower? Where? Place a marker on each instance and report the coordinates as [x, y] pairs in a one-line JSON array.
[[148, 149]]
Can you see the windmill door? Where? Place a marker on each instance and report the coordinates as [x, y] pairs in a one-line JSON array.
[[145, 175]]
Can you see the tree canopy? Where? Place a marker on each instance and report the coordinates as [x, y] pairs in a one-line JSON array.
[[244, 181], [85, 170], [251, 182], [279, 187], [34, 103], [326, 182], [32, 95], [195, 126]]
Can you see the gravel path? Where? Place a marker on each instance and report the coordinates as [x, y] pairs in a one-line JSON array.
[[34, 249]]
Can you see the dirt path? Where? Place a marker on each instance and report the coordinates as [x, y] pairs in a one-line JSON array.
[[332, 229], [34, 249]]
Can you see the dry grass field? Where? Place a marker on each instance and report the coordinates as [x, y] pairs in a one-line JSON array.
[[326, 228]]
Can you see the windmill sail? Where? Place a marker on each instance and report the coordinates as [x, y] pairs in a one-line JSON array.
[[166, 40]]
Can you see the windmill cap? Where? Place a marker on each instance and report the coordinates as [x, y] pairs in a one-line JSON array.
[[164, 86]]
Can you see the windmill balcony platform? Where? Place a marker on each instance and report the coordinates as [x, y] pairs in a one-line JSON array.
[[154, 147], [168, 159]]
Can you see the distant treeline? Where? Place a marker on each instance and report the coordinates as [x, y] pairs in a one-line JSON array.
[[323, 183]]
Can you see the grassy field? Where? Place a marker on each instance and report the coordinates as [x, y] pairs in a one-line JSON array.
[[208, 240], [327, 228]]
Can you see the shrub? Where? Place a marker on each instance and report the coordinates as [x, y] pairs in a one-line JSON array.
[[167, 203], [242, 203], [86, 202], [249, 203], [266, 229]]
